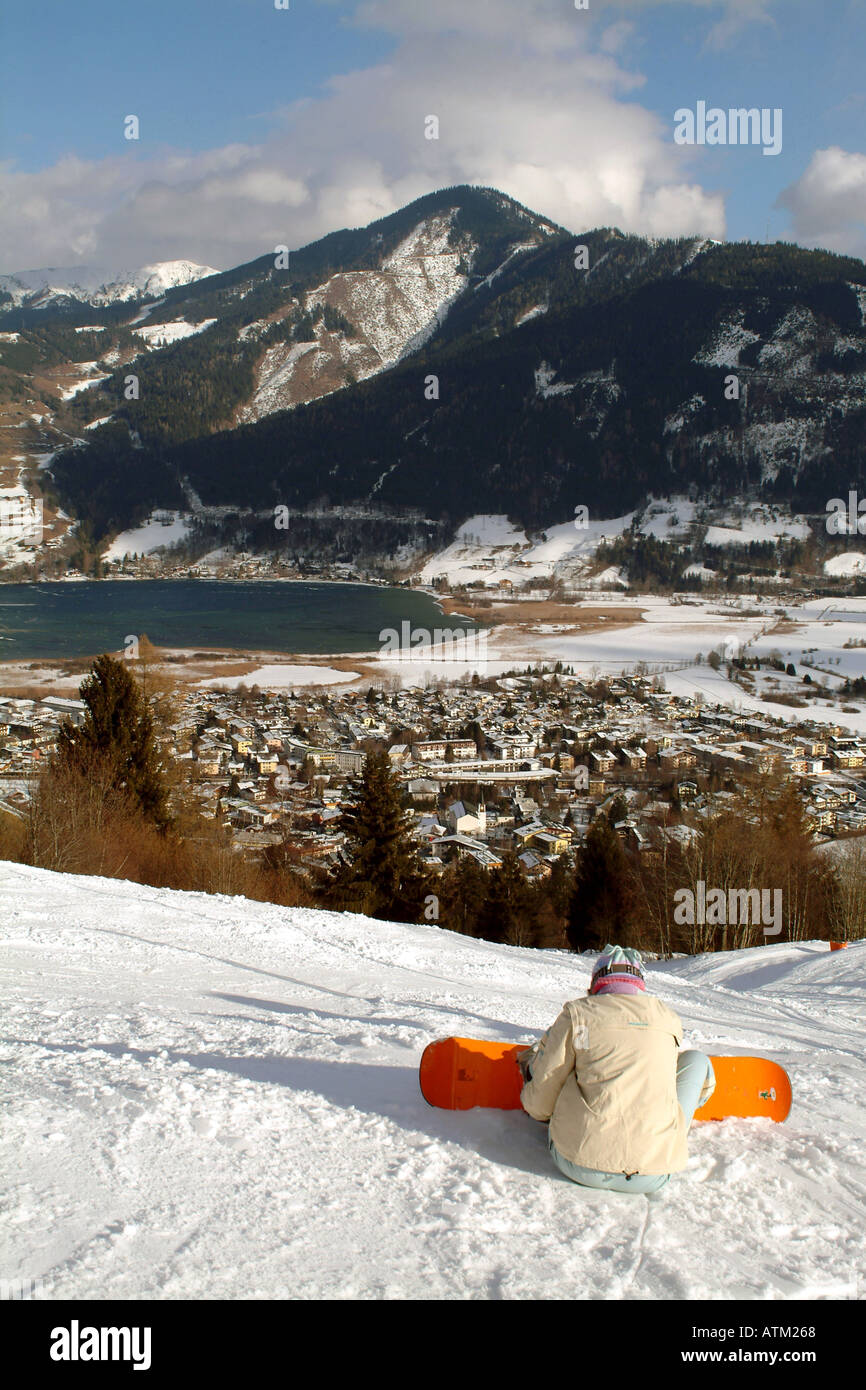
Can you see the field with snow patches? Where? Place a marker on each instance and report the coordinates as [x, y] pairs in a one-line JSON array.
[[488, 548], [212, 1098], [281, 677], [659, 632]]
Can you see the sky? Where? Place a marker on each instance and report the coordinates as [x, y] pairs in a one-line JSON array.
[[261, 126]]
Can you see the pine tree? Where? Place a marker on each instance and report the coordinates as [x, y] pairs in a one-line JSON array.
[[463, 889], [507, 913], [384, 877], [601, 905], [117, 733]]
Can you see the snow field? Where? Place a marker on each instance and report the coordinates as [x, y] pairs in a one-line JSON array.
[[212, 1098], [149, 537], [161, 334], [394, 311], [282, 677]]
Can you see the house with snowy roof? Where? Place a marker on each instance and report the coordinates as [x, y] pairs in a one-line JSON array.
[[464, 821]]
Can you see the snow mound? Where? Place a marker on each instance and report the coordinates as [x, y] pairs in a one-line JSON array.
[[851, 562]]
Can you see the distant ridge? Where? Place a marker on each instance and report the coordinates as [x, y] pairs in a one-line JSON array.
[[461, 356], [98, 286]]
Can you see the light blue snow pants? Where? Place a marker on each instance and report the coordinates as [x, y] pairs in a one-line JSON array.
[[693, 1070]]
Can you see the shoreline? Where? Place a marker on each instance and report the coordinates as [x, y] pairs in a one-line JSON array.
[[533, 617], [22, 667], [198, 667], [190, 667], [478, 612], [648, 635], [215, 579]]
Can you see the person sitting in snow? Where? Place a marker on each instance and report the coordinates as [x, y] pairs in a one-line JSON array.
[[611, 1081]]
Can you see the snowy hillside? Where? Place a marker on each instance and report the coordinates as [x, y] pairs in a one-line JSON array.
[[393, 310], [488, 549], [213, 1098]]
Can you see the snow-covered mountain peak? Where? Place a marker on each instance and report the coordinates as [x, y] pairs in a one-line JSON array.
[[165, 275], [98, 285], [429, 238]]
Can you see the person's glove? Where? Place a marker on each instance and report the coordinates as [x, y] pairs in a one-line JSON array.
[[524, 1061]]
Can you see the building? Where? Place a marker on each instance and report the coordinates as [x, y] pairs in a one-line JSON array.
[[464, 821]]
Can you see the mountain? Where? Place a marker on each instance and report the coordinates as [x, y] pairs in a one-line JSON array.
[[195, 1114], [41, 289], [462, 356]]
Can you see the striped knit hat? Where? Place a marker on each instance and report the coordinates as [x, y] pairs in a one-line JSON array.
[[618, 970]]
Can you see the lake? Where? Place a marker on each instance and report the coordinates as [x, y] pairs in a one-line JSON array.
[[86, 618]]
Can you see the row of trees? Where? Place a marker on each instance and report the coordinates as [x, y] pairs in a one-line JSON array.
[[108, 803], [749, 874]]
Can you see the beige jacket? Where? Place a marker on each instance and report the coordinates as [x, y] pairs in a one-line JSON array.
[[605, 1077]]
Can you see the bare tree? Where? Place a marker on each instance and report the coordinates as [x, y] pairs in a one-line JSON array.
[[848, 904]]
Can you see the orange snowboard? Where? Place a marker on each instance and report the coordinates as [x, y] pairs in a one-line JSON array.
[[459, 1073]]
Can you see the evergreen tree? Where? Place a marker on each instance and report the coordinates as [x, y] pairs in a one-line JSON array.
[[463, 889], [508, 910], [601, 905], [384, 877], [474, 731], [117, 734], [559, 886]]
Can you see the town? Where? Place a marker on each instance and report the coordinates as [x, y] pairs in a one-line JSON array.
[[522, 762]]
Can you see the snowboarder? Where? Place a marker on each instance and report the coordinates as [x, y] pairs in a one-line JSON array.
[[609, 1079]]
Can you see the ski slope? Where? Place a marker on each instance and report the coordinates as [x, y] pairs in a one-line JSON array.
[[211, 1098]]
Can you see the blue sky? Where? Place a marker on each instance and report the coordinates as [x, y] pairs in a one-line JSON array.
[[261, 125], [809, 62], [199, 72]]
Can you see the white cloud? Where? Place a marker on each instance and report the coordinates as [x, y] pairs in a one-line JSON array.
[[734, 16], [739, 15], [535, 25], [616, 36], [531, 99], [828, 203]]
